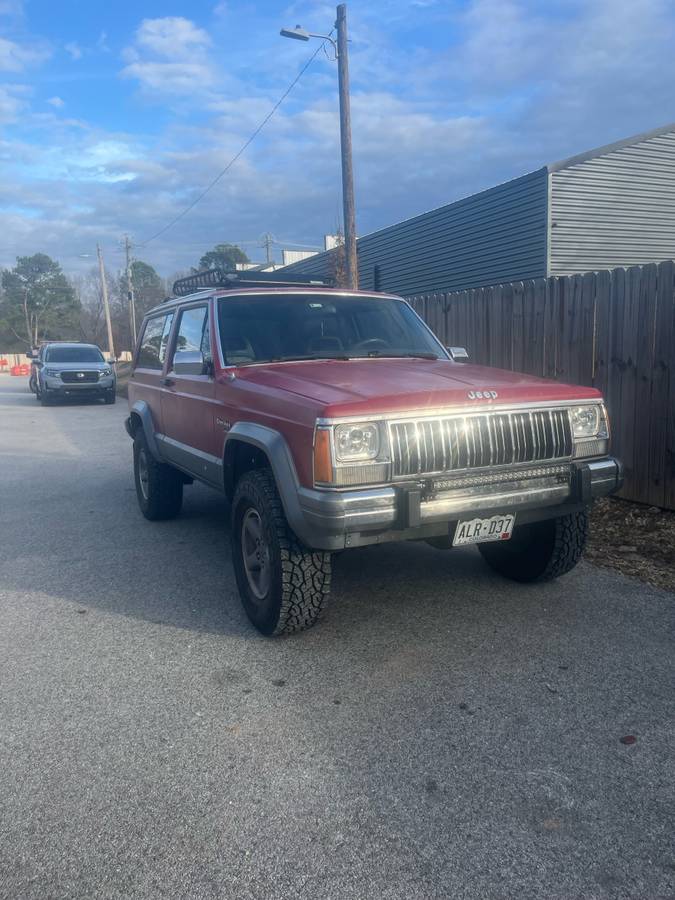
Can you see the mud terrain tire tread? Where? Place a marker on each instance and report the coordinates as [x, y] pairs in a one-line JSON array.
[[554, 548], [165, 485], [301, 576]]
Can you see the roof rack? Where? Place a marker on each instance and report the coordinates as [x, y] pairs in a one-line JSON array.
[[222, 278]]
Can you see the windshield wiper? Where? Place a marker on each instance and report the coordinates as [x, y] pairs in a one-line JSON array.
[[385, 355], [310, 356]]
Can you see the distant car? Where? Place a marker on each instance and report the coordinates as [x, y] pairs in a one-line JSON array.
[[72, 370]]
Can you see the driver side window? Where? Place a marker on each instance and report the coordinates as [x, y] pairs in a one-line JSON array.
[[193, 332]]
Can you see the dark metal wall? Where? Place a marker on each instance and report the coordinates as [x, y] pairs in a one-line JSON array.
[[497, 235]]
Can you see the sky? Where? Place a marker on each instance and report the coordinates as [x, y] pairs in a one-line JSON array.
[[115, 116]]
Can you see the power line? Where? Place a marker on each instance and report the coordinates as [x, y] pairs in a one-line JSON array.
[[239, 152]]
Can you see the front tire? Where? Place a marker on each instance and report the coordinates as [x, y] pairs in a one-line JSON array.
[[159, 488], [540, 551], [283, 585], [110, 396]]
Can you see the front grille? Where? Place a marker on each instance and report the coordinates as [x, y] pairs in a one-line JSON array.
[[452, 443], [79, 377]]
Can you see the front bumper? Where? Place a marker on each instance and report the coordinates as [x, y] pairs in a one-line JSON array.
[[336, 519], [56, 387]]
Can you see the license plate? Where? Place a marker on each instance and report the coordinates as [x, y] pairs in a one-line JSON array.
[[477, 531]]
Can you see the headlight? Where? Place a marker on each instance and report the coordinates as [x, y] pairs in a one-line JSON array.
[[357, 442], [585, 421], [104, 372], [351, 455], [52, 373], [590, 430]]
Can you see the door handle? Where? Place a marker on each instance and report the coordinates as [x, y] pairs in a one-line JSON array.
[[167, 382]]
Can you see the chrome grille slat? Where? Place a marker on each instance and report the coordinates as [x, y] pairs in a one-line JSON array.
[[454, 443]]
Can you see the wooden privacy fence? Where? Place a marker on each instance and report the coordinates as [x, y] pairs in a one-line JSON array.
[[612, 330]]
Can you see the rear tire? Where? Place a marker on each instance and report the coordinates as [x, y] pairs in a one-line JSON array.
[[540, 551], [159, 488], [283, 585]]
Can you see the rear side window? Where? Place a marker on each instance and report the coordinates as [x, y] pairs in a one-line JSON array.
[[193, 331], [154, 342]]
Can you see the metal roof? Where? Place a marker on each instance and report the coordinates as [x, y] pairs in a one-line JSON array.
[[609, 148]]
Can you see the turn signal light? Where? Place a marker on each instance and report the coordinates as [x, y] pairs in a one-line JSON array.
[[323, 464]]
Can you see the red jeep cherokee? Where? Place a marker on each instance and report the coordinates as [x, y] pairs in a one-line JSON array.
[[335, 419]]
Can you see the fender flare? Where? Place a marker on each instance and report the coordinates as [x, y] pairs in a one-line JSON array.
[[277, 451], [141, 410]]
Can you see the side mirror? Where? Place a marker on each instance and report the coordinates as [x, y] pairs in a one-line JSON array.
[[112, 361], [29, 355], [458, 354], [189, 362]]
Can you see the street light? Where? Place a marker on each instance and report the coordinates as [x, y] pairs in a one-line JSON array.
[[341, 53]]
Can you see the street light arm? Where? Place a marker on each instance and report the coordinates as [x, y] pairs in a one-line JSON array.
[[299, 34], [326, 37]]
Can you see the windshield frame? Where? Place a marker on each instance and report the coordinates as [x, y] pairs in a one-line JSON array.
[[224, 297], [91, 348]]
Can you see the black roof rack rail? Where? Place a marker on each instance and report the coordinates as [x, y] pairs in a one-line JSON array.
[[222, 278]]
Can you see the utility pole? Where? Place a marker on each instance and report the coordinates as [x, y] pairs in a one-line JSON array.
[[351, 262], [268, 241], [130, 291], [106, 306], [341, 47]]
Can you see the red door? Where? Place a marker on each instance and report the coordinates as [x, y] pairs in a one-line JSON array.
[[188, 404], [145, 383]]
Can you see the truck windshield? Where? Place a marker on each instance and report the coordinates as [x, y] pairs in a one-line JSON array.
[[73, 355], [281, 327]]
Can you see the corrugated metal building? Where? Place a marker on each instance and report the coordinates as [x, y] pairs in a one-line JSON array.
[[613, 206]]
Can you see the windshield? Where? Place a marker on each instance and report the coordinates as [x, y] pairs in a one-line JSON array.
[[74, 355], [280, 327]]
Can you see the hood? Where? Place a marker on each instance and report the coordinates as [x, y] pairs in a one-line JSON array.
[[378, 385]]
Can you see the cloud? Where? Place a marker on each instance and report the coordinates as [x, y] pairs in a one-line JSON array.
[[56, 102], [16, 57], [12, 101], [171, 37], [11, 7], [74, 50], [169, 56], [171, 78]]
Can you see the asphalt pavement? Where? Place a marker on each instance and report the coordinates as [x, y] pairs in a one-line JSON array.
[[442, 734]]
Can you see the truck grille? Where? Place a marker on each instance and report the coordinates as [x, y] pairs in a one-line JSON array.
[[79, 377], [446, 444]]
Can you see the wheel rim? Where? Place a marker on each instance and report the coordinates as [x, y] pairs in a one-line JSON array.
[[255, 554], [143, 477]]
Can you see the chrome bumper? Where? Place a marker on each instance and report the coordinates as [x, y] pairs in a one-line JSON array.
[[333, 519]]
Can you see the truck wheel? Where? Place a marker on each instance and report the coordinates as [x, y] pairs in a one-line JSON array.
[[159, 488], [110, 396], [44, 398], [540, 551], [283, 585]]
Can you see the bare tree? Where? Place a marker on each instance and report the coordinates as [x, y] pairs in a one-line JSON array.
[[338, 261]]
